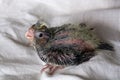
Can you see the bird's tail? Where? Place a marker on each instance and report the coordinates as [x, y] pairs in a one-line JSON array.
[[105, 46]]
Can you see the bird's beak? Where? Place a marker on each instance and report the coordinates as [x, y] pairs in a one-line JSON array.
[[30, 34]]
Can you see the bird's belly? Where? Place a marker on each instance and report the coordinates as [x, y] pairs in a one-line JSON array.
[[66, 57]]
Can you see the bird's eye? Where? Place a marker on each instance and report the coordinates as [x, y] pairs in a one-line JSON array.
[[39, 34]]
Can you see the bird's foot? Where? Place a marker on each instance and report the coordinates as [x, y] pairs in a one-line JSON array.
[[51, 68]]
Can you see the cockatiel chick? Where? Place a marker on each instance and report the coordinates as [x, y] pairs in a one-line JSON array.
[[65, 45]]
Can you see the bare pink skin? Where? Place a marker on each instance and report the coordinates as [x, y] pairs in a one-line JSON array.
[[82, 44]]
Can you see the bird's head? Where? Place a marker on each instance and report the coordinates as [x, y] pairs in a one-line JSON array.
[[38, 34]]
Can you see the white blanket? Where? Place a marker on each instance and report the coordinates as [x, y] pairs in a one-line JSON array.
[[19, 61]]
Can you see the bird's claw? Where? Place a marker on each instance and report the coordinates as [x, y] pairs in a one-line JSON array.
[[51, 69]]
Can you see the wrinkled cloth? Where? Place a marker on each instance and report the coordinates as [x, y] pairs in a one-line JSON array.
[[19, 61]]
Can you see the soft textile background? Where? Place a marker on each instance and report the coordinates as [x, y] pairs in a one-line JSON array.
[[19, 61]]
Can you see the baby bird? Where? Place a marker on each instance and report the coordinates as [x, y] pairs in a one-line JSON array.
[[64, 45]]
